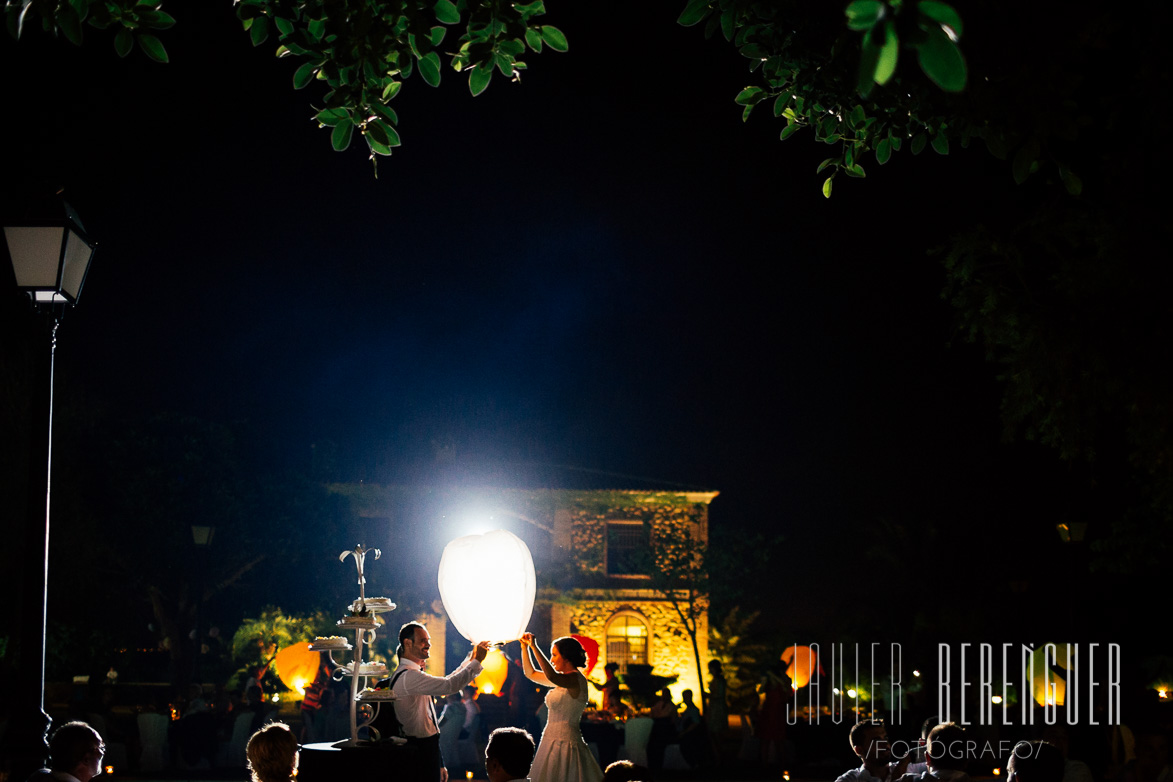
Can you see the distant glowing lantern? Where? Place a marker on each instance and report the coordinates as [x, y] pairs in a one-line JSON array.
[[803, 662], [1048, 687], [487, 583], [591, 647], [297, 666], [996, 699], [492, 678], [997, 772], [852, 693]]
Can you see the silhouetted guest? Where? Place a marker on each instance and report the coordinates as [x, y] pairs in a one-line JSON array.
[[1073, 770], [610, 689], [1152, 759], [869, 742], [692, 734], [451, 723], [945, 755], [663, 714], [272, 753], [76, 751], [1035, 761], [917, 763], [776, 688], [626, 771], [508, 755], [717, 715]]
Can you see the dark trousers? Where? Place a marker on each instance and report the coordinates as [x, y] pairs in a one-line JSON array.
[[427, 760]]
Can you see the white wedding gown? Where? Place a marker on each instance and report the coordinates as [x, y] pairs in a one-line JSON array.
[[563, 756]]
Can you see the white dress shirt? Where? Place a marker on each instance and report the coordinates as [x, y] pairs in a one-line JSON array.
[[415, 688], [860, 774]]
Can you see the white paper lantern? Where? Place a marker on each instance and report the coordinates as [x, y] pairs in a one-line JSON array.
[[487, 583]]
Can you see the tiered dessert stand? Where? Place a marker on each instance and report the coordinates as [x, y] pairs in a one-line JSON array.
[[362, 622]]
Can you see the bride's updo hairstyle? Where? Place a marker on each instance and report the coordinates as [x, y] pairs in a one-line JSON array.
[[571, 651]]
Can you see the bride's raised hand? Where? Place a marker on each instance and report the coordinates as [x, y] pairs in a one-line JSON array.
[[527, 639]]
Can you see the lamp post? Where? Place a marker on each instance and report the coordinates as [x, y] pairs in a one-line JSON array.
[[201, 536], [50, 256]]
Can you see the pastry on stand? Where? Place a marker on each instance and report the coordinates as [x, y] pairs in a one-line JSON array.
[[378, 756]]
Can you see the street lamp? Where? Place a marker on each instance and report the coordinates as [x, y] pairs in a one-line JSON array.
[[201, 536], [50, 256]]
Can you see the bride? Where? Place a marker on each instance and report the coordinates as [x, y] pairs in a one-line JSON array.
[[562, 756]]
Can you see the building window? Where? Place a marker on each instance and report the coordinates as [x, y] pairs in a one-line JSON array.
[[627, 641], [627, 549]]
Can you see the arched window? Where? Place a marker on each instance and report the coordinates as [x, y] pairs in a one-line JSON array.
[[628, 640]]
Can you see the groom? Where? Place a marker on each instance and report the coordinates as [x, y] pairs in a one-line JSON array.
[[414, 689]]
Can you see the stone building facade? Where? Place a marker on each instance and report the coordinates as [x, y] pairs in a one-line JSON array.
[[600, 557], [611, 588]]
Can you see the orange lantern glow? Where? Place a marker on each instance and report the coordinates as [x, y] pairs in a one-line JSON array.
[[803, 662], [1048, 687], [591, 647], [297, 666], [492, 678]]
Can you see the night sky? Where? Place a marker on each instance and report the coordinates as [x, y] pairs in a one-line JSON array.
[[601, 267]]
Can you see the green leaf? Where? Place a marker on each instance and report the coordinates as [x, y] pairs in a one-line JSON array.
[[437, 35], [392, 89], [331, 117], [855, 170], [446, 12], [857, 116], [1024, 161], [478, 79], [157, 20], [505, 65], [69, 24], [429, 66], [377, 147], [694, 12], [728, 17], [284, 26], [826, 163], [749, 96], [554, 37], [123, 42], [941, 60], [534, 39], [883, 151], [780, 103], [788, 131], [941, 13], [941, 144], [303, 75], [375, 131], [343, 131], [513, 47], [391, 133], [153, 47], [827, 187], [1073, 183], [388, 113], [259, 32], [918, 143], [863, 14], [889, 54]]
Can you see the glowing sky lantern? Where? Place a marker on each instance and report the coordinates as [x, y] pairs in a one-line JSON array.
[[492, 678], [803, 663], [591, 647], [297, 666], [1047, 687], [487, 583]]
